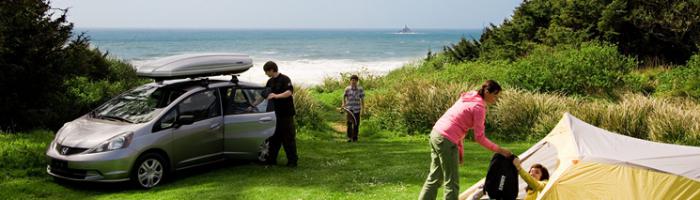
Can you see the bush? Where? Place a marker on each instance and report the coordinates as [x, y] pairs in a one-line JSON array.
[[48, 76], [641, 82], [474, 72], [527, 115], [368, 81], [308, 110], [681, 81], [592, 68], [628, 116], [413, 109], [437, 62], [32, 42], [464, 50], [645, 29]]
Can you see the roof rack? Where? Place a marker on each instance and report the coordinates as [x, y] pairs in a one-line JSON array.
[[234, 79]]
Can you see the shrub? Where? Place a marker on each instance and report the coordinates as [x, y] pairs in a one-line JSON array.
[[413, 109], [86, 93], [675, 124], [308, 110], [464, 50], [652, 28], [682, 81], [474, 72], [437, 62], [368, 81], [382, 111], [593, 68], [627, 117], [49, 76], [526, 115]]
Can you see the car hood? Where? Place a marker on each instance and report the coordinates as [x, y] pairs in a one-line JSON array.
[[87, 132]]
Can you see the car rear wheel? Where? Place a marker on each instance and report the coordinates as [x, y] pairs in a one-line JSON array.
[[149, 171], [264, 151]]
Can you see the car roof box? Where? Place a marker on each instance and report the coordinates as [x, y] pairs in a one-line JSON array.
[[195, 65]]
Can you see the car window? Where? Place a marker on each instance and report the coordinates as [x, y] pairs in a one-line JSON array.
[[202, 105], [242, 100], [167, 121], [256, 95]]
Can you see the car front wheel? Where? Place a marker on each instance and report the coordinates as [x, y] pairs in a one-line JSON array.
[[149, 171]]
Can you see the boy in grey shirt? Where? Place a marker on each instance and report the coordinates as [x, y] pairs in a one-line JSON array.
[[353, 100]]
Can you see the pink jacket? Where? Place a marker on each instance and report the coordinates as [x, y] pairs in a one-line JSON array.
[[468, 112]]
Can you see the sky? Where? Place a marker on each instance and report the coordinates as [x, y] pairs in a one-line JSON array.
[[286, 14]]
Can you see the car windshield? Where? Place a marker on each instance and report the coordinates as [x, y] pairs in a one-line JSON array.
[[138, 105]]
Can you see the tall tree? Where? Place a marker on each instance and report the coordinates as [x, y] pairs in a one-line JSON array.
[[32, 39], [649, 29]]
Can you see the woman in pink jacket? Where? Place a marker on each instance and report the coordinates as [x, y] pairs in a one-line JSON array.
[[447, 138]]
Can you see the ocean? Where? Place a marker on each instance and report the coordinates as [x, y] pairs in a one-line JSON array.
[[306, 55]]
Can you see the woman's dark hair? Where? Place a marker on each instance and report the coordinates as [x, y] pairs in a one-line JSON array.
[[269, 65], [545, 174], [490, 85]]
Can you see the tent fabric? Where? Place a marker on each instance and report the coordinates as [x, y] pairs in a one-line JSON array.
[[591, 180], [573, 142]]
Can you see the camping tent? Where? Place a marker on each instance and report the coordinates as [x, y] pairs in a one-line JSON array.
[[587, 162]]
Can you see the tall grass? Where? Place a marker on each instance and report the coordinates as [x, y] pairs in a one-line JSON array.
[[413, 106], [367, 80], [526, 115], [675, 124], [308, 109], [657, 119]]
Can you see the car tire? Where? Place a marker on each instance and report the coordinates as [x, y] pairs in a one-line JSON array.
[[149, 170], [264, 151]]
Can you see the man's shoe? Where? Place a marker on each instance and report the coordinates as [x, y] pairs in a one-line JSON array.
[[292, 164]]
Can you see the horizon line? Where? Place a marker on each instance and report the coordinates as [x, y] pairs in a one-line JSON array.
[[273, 28]]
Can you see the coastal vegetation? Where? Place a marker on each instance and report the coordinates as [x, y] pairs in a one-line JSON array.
[[627, 66], [49, 74]]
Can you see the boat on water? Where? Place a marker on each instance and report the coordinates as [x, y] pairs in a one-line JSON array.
[[406, 30]]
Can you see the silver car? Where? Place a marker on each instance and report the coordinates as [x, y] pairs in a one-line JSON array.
[[150, 131]]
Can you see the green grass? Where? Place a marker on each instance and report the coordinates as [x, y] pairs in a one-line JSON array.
[[329, 168]]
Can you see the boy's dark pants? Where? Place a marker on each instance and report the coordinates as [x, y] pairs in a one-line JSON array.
[[285, 135], [353, 128]]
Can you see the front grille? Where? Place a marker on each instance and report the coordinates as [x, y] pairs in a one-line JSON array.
[[66, 150], [60, 167]]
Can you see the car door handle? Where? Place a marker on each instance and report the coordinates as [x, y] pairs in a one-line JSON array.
[[215, 126], [265, 119]]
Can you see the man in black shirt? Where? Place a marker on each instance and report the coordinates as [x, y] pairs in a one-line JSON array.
[[280, 88]]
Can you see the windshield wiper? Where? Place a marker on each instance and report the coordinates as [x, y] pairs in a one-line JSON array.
[[110, 117]]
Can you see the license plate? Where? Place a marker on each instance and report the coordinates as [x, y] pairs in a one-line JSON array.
[[59, 164]]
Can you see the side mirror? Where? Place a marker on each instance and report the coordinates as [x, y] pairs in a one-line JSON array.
[[184, 120]]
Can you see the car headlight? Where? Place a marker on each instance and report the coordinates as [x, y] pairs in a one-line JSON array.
[[119, 142]]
